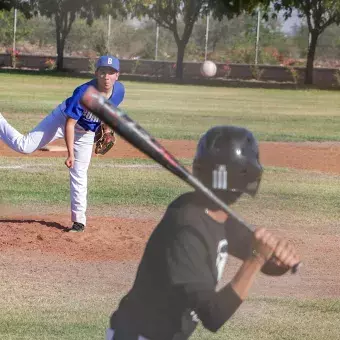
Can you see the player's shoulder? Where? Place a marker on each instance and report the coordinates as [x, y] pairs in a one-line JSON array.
[[73, 100], [185, 201], [83, 87], [186, 209], [185, 222], [119, 86]]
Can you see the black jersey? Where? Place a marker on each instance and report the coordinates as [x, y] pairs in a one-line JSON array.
[[175, 285]]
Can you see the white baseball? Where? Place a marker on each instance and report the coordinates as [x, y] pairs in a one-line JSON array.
[[208, 68]]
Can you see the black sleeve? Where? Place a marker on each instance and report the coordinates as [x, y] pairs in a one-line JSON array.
[[239, 239], [190, 271]]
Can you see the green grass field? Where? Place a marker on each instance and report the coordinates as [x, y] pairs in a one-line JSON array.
[[290, 190], [275, 115], [275, 319], [36, 307]]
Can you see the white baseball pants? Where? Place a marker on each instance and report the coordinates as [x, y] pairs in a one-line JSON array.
[[49, 129]]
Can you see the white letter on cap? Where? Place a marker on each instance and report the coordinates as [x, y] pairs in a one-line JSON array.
[[109, 61]]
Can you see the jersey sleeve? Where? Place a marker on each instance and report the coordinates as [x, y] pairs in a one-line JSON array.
[[73, 108], [190, 273], [239, 239], [119, 94]]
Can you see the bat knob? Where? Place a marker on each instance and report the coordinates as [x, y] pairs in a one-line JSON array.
[[296, 268], [272, 269]]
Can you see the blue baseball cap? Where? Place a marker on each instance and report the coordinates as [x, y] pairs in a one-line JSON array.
[[109, 61]]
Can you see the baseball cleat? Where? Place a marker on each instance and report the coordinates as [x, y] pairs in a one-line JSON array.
[[77, 227]]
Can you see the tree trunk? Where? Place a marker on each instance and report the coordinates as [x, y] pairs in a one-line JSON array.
[[64, 23], [182, 42], [180, 56], [60, 55], [313, 39], [60, 46]]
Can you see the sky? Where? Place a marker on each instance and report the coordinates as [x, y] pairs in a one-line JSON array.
[[289, 23], [286, 28]]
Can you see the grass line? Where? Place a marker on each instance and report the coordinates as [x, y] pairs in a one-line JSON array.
[[185, 111]]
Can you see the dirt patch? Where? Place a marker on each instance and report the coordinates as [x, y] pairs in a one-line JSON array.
[[104, 239], [324, 157]]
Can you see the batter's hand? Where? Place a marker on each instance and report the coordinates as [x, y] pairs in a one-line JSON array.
[[264, 244], [69, 162], [285, 254], [267, 246]]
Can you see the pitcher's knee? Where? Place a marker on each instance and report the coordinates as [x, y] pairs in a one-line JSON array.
[[25, 152], [27, 149]]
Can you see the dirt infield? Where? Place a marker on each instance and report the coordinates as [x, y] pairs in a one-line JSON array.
[[316, 156], [122, 238]]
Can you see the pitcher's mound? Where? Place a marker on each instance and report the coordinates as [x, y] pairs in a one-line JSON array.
[[53, 148]]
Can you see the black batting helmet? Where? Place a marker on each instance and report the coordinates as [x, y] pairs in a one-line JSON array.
[[227, 161]]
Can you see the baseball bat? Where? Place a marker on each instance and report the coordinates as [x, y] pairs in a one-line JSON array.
[[132, 132]]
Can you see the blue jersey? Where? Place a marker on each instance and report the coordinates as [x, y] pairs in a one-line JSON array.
[[87, 120]]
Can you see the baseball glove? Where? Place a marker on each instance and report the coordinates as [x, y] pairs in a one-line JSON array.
[[104, 139]]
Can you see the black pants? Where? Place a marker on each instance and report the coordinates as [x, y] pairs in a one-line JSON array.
[[123, 334]]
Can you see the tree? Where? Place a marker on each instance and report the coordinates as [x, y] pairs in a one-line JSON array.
[[6, 24], [167, 14], [233, 40], [319, 14], [65, 12], [328, 49], [23, 6], [42, 32]]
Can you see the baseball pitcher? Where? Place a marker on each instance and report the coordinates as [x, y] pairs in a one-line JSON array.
[[80, 128]]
